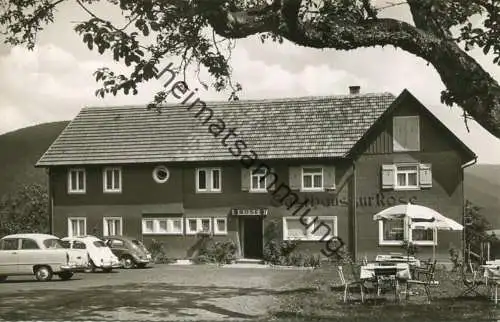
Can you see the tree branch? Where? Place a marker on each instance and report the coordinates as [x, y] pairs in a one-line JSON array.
[[468, 84]]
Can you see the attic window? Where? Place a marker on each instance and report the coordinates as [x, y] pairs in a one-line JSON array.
[[406, 133]]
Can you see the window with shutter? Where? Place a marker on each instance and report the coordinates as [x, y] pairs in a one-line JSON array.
[[312, 179], [406, 133]]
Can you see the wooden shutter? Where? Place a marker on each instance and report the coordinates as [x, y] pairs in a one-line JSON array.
[[245, 179], [295, 180], [271, 178], [388, 173], [425, 175], [329, 177]]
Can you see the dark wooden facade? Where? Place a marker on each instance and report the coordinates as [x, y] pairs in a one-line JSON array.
[[354, 209]]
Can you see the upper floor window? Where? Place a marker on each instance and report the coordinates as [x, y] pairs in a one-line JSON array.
[[112, 180], [312, 178], [258, 180], [407, 176], [406, 133], [76, 181], [208, 180]]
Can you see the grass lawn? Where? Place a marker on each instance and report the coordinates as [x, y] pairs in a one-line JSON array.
[[325, 302]]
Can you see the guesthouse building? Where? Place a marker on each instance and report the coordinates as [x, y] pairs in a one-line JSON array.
[[305, 169]]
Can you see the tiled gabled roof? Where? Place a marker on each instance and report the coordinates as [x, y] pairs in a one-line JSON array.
[[309, 127]]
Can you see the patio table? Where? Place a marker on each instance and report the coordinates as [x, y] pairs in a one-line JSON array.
[[385, 275], [492, 276], [371, 270], [392, 258]]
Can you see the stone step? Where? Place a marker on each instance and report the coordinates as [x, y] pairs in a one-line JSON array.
[[249, 261]]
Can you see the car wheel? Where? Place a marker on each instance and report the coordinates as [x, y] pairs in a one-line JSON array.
[[43, 273], [3, 278], [127, 262], [91, 268], [141, 265], [107, 270], [65, 275]]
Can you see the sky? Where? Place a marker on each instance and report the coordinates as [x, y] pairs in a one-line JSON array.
[[54, 81]]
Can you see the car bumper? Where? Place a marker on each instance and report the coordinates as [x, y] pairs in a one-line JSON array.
[[110, 265], [74, 267]]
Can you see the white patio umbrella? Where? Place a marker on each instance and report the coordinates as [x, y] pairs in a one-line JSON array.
[[437, 224], [420, 217]]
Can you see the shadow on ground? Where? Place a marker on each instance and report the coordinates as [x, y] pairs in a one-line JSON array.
[[140, 302]]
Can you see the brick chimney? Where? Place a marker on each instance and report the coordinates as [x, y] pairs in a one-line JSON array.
[[354, 90]]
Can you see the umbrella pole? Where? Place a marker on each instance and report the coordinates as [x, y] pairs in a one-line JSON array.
[[434, 244]]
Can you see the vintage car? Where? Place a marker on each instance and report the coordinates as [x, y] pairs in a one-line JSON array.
[[100, 256], [39, 254], [130, 251]]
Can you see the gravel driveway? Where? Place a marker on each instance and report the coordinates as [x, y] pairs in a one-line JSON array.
[[164, 292]]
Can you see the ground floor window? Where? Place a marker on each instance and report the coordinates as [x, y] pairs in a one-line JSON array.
[[112, 226], [197, 225], [314, 229], [396, 231], [423, 236], [77, 226], [162, 225], [220, 226]]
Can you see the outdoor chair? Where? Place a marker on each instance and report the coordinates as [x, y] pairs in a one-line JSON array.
[[471, 284], [350, 284], [385, 275], [423, 276], [494, 283]]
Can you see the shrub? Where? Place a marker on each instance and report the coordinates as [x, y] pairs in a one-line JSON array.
[[222, 252], [25, 210], [157, 250], [455, 258], [278, 252]]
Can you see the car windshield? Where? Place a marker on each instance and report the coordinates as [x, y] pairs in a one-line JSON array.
[[99, 243], [53, 243]]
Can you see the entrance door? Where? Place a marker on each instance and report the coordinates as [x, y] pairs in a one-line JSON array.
[[252, 237]]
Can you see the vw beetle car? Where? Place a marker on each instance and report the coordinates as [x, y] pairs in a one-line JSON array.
[[100, 256], [41, 255], [130, 251]]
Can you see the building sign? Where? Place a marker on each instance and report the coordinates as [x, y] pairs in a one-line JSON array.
[[379, 200], [251, 212]]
